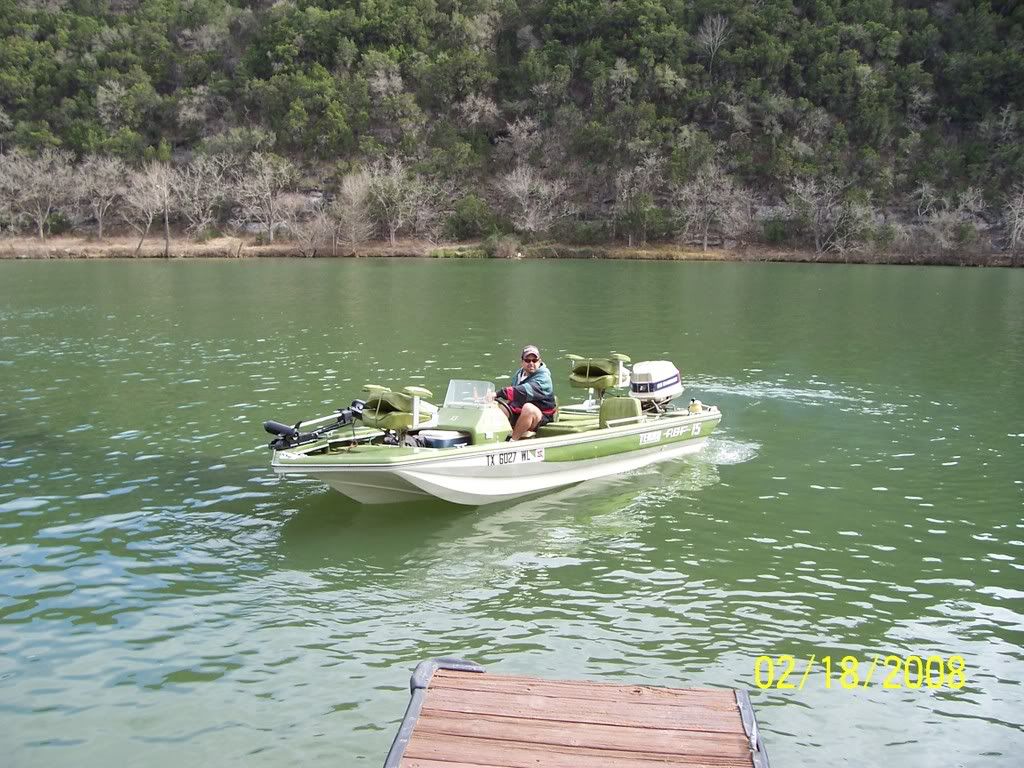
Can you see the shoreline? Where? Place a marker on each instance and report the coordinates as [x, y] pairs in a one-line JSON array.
[[85, 249]]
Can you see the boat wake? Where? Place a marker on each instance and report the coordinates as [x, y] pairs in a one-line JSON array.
[[817, 393], [722, 452]]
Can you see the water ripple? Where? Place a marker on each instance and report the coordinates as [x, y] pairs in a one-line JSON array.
[[148, 558]]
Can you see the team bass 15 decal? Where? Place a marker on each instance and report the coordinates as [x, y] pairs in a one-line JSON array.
[[647, 438]]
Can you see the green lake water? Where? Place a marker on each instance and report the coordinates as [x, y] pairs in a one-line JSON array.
[[166, 600]]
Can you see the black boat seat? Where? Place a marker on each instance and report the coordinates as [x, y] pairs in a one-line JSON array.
[[393, 411]]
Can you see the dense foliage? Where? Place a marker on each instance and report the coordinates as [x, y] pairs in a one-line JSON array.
[[895, 99]]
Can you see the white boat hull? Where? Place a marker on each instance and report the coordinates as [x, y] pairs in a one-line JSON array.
[[472, 482]]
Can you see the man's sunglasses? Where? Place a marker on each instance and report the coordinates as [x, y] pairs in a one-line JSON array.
[[531, 359]]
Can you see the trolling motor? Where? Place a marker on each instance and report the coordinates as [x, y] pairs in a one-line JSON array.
[[291, 437]]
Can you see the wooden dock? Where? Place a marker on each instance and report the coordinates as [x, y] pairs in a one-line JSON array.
[[461, 717]]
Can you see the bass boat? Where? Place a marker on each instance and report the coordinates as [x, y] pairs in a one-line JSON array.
[[397, 446]]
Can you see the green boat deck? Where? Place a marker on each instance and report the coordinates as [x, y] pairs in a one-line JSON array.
[[570, 424]]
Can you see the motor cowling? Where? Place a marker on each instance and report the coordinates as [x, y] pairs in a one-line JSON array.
[[655, 380]]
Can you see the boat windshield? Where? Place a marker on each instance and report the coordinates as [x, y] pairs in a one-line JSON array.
[[466, 392]]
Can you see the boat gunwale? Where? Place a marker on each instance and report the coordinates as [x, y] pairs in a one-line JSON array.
[[444, 454]]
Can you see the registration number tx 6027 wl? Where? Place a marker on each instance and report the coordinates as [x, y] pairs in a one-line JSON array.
[[515, 457]]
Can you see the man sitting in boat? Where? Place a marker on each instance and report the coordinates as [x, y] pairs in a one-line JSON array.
[[529, 402]]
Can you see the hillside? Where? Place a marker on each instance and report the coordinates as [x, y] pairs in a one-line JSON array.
[[829, 124]]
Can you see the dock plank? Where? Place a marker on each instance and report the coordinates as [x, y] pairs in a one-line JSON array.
[[705, 697], [584, 711], [572, 734], [517, 754], [427, 763]]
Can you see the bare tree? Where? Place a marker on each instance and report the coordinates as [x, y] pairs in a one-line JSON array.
[[919, 102], [621, 79], [711, 201], [1014, 217], [838, 224], [139, 209], [350, 211], [113, 105], [383, 76], [521, 140], [634, 196], [33, 186], [309, 223], [150, 194], [394, 193], [927, 197], [6, 124], [535, 202], [101, 182], [477, 109], [820, 204], [953, 221], [712, 34], [260, 188], [8, 210], [427, 209], [163, 179], [199, 188], [51, 6]]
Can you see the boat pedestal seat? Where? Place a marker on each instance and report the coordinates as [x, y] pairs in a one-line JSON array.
[[393, 411], [597, 373], [593, 374], [619, 412]]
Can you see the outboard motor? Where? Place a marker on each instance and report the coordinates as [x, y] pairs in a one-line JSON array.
[[655, 383]]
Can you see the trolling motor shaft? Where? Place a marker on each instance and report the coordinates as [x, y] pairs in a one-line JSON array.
[[290, 437]]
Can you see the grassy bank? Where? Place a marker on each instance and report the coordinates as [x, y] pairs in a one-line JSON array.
[[241, 248]]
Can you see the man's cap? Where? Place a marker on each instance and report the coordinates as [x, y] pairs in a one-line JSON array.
[[529, 349]]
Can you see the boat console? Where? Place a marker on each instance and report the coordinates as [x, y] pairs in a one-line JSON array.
[[469, 409]]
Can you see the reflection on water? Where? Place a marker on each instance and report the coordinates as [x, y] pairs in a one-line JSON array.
[[163, 594], [434, 545]]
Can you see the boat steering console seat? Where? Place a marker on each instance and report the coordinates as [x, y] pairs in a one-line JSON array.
[[397, 411]]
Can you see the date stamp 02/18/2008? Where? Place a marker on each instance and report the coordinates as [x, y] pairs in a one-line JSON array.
[[786, 672]]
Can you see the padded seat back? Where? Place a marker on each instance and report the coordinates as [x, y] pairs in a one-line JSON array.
[[593, 373], [619, 412], [393, 411]]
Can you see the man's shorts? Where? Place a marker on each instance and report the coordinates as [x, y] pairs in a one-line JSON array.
[[513, 416]]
